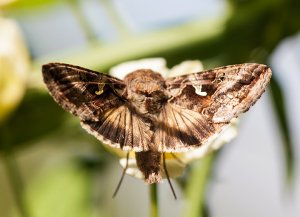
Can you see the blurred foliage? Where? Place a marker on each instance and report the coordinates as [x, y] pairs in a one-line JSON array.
[[278, 101], [249, 33], [40, 112], [30, 4], [199, 178], [65, 194]]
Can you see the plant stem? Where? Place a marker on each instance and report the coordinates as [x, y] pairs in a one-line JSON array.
[[116, 19], [14, 176], [153, 200], [196, 187], [85, 26]]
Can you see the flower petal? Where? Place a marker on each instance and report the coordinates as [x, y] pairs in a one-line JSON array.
[[225, 136], [174, 166], [14, 62], [5, 2], [132, 168], [156, 64], [186, 67]]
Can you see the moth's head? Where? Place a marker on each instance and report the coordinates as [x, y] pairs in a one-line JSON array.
[[145, 82]]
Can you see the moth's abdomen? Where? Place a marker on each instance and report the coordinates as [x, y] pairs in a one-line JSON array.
[[149, 163]]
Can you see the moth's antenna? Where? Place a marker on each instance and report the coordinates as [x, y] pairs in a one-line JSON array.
[[122, 177], [167, 174]]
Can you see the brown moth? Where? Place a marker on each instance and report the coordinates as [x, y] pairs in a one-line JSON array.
[[150, 115]]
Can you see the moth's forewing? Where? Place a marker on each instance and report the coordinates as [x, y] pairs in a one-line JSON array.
[[98, 101], [226, 92], [76, 88]]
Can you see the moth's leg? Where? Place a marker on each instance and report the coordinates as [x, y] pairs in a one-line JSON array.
[[122, 177], [178, 159], [167, 175]]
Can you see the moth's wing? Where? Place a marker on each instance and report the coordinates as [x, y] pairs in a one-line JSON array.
[[121, 128], [222, 93], [180, 129], [99, 101], [84, 93], [201, 104]]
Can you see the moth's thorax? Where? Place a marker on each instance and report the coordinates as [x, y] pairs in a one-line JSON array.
[[146, 90]]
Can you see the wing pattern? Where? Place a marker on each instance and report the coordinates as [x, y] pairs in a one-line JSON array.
[[121, 128], [98, 101], [202, 104], [76, 88], [199, 107], [182, 129]]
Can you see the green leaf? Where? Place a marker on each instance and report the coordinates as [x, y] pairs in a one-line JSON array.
[[279, 106]]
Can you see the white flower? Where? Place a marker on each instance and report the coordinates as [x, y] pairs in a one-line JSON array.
[[177, 164], [5, 2], [156, 64], [14, 64]]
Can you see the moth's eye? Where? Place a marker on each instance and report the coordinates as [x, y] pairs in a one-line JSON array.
[[158, 95], [222, 77], [153, 94], [146, 94]]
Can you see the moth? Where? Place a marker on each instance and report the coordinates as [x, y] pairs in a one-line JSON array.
[[151, 115]]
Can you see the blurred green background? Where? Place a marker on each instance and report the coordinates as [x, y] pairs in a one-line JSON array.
[[50, 167]]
